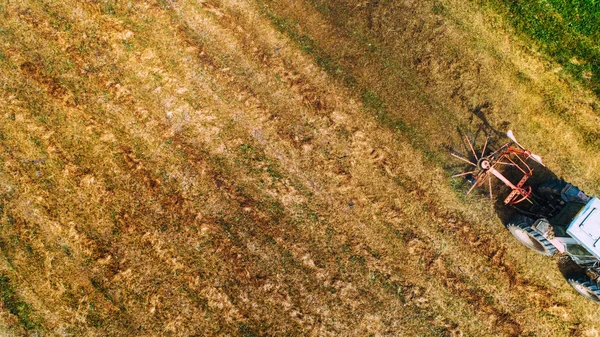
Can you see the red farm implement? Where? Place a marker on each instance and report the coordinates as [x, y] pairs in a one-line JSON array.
[[484, 164]]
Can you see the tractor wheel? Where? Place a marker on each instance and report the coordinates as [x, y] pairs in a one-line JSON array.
[[585, 286], [552, 189], [520, 228]]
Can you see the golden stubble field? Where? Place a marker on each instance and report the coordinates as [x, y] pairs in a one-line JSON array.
[[255, 168]]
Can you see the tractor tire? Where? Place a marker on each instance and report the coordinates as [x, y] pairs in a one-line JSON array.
[[520, 227], [551, 189], [585, 286]]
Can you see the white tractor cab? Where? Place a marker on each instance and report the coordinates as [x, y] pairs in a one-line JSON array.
[[551, 216], [574, 231]]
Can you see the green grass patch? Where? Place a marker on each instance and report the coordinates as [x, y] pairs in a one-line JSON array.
[[127, 44], [566, 31], [373, 103], [16, 306], [108, 8]]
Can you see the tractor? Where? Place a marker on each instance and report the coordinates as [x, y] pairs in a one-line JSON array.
[[548, 215]]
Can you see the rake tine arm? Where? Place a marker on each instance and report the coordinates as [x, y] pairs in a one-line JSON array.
[[498, 149], [463, 174], [463, 159], [487, 139], [471, 146], [472, 187]]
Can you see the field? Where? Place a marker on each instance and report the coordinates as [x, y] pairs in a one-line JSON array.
[[250, 168]]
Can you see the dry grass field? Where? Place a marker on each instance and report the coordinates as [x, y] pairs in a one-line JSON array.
[[251, 168]]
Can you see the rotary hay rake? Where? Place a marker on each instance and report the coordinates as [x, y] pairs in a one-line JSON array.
[[484, 164]]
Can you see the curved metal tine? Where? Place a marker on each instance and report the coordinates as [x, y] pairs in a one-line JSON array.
[[485, 145], [498, 149], [463, 174], [471, 146], [461, 158], [472, 187], [462, 135]]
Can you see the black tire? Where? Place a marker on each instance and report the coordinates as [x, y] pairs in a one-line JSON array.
[[586, 287], [551, 189], [520, 227]]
